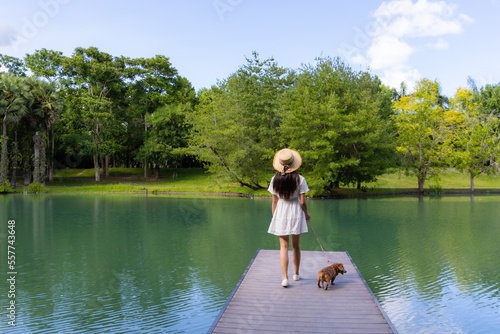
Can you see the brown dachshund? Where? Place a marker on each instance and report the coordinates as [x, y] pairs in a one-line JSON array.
[[329, 273]]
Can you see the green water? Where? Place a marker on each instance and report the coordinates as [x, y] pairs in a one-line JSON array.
[[137, 264]]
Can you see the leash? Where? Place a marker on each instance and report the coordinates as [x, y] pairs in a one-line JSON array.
[[320, 244]]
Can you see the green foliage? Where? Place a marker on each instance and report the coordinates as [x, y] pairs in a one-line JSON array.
[[166, 140], [338, 120], [47, 103], [45, 63], [94, 83], [35, 188], [475, 137], [91, 77], [111, 100], [14, 101], [488, 99], [236, 124], [15, 66], [5, 187], [155, 84], [422, 131], [140, 111], [435, 189]]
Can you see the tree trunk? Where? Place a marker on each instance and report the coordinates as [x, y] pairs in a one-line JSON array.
[[97, 168], [101, 158], [36, 149], [43, 155], [51, 161], [106, 164], [358, 186], [14, 159], [471, 182], [422, 175], [157, 171], [97, 142], [3, 163], [51, 170], [145, 161], [27, 172], [421, 181]]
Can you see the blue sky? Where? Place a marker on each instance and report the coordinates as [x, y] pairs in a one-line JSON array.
[[207, 40]]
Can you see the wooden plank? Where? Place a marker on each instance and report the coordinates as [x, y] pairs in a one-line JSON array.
[[259, 304]]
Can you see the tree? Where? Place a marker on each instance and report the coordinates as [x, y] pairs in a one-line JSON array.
[[235, 125], [475, 138], [368, 132], [155, 84], [15, 66], [91, 79], [13, 105], [488, 99], [108, 100], [46, 109], [166, 141], [340, 122], [45, 64], [420, 122]]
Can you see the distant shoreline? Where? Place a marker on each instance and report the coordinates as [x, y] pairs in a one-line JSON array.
[[198, 182], [381, 192]]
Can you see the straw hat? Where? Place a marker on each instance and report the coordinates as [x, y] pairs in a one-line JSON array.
[[287, 161]]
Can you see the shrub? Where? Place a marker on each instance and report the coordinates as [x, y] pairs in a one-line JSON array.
[[436, 189], [35, 188], [6, 188]]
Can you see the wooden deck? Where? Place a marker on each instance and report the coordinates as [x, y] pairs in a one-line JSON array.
[[259, 304]]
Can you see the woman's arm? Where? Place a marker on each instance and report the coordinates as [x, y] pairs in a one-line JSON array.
[[303, 205], [275, 202]]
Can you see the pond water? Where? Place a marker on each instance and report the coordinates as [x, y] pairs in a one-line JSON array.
[[158, 264]]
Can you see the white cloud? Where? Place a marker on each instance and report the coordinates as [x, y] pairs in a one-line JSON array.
[[466, 18], [403, 18], [358, 59], [394, 77], [7, 34], [441, 44], [399, 24], [388, 51]]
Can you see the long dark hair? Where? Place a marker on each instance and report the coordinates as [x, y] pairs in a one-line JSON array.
[[285, 185]]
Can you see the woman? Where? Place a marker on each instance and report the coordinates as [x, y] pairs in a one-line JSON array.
[[289, 208]]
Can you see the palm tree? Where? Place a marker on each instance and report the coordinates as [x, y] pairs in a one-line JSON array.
[[13, 106], [46, 108]]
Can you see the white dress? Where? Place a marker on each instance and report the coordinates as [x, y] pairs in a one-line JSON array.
[[289, 218]]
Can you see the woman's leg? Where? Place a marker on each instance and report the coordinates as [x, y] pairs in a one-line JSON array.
[[296, 253], [284, 242]]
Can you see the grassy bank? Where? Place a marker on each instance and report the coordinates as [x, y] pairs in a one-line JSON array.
[[195, 180], [171, 180], [448, 179]]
